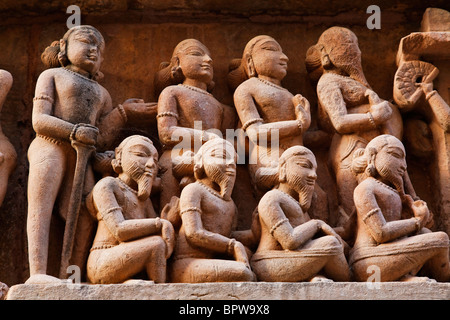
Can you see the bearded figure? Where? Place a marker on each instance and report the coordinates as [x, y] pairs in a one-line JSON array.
[[294, 247], [130, 236], [391, 227], [207, 247]]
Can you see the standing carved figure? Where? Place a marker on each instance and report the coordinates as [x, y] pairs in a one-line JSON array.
[[8, 155], [70, 110], [294, 247], [130, 237], [186, 110], [272, 117], [387, 236], [205, 238], [348, 107]]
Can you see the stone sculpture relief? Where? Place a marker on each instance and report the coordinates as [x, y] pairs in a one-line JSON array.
[[272, 117], [188, 114], [206, 249], [192, 236], [348, 107], [294, 247], [72, 116], [387, 236], [8, 155], [421, 92], [130, 236], [265, 108]]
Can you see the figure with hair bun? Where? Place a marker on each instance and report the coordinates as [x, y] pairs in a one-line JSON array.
[[265, 108], [348, 108], [130, 236], [294, 247], [188, 114], [391, 231], [207, 249], [272, 117], [70, 110]]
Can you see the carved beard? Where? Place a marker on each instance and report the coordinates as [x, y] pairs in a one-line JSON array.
[[304, 190], [395, 179], [144, 180], [225, 182]]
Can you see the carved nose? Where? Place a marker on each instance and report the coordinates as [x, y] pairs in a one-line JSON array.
[[207, 59]]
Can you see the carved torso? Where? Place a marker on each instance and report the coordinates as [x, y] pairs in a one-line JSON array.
[[77, 98], [217, 216]]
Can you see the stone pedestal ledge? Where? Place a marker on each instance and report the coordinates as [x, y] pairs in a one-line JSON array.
[[234, 291]]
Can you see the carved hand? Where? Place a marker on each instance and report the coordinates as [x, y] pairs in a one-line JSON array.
[[373, 97], [302, 109], [421, 212], [168, 235], [381, 112], [86, 134], [240, 254], [138, 110], [427, 87]]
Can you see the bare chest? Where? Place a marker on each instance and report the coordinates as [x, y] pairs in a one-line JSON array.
[[78, 99]]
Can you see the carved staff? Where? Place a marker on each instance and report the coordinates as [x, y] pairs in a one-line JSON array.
[[83, 152]]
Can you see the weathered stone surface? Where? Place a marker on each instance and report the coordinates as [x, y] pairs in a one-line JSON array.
[[234, 291]]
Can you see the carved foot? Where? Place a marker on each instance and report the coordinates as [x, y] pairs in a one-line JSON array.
[[320, 278], [3, 290], [43, 279], [410, 278], [138, 281]]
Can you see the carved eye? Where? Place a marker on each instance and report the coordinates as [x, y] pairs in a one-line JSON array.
[[270, 48], [305, 164], [195, 53]]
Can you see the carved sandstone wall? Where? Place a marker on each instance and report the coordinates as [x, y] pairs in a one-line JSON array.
[[140, 34]]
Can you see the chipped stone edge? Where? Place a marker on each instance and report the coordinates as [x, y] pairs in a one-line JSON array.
[[233, 291]]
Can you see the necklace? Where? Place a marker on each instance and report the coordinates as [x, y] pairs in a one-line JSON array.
[[196, 89], [296, 201], [211, 190], [79, 75], [271, 84], [385, 185], [127, 186]]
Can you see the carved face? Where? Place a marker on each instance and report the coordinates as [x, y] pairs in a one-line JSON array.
[[195, 61], [219, 163], [390, 163], [85, 50], [268, 59], [300, 171], [139, 160], [341, 46]]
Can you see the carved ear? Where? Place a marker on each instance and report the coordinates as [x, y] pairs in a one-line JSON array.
[[251, 67], [176, 73], [325, 59], [282, 173], [199, 172], [62, 54], [116, 165], [370, 169]]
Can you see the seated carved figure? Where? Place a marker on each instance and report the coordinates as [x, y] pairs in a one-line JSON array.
[[205, 238], [292, 246], [398, 247], [130, 237]]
